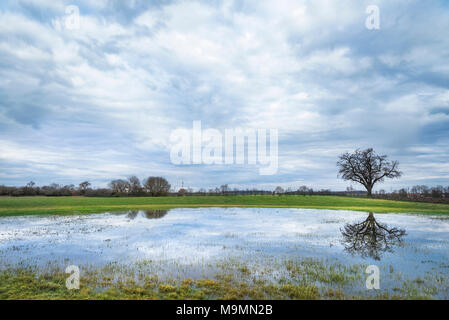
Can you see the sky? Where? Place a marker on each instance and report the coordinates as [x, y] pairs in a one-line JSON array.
[[97, 96]]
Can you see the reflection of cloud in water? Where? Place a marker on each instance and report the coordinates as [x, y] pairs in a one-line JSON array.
[[204, 234], [297, 227], [172, 251]]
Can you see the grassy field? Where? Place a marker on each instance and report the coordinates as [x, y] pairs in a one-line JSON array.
[[11, 206]]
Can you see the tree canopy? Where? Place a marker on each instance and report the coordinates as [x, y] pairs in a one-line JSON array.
[[367, 168]]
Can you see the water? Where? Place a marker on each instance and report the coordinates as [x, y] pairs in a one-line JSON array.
[[190, 242]]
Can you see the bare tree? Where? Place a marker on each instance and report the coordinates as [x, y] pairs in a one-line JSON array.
[[367, 168], [83, 186], [303, 190], [279, 190], [157, 186], [119, 186], [134, 185], [224, 188], [31, 184]]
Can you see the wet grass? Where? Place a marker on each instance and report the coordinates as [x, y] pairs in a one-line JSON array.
[[305, 279], [13, 206]]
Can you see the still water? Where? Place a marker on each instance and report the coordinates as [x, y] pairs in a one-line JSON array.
[[189, 242]]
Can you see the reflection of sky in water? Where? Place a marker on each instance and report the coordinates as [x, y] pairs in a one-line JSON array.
[[190, 236]]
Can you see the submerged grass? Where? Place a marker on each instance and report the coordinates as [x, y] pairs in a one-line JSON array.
[[11, 206], [304, 279]]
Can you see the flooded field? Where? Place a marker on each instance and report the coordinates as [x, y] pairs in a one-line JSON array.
[[323, 248]]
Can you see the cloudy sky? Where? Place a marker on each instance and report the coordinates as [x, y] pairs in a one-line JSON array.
[[100, 101]]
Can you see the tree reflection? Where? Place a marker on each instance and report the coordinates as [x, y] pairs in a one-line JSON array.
[[132, 214], [149, 214], [155, 214], [370, 238]]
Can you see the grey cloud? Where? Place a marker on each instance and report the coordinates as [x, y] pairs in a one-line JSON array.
[[108, 96]]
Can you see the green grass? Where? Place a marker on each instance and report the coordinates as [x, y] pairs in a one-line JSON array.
[[10, 206], [26, 285], [301, 279]]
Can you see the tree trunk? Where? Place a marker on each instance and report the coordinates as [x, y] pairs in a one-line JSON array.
[[369, 189]]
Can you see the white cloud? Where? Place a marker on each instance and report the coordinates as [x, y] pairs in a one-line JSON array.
[[77, 101]]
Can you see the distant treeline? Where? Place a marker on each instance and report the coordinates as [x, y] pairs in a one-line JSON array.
[[159, 186], [421, 193], [152, 186]]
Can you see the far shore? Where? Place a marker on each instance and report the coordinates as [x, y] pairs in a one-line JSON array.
[[16, 206]]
